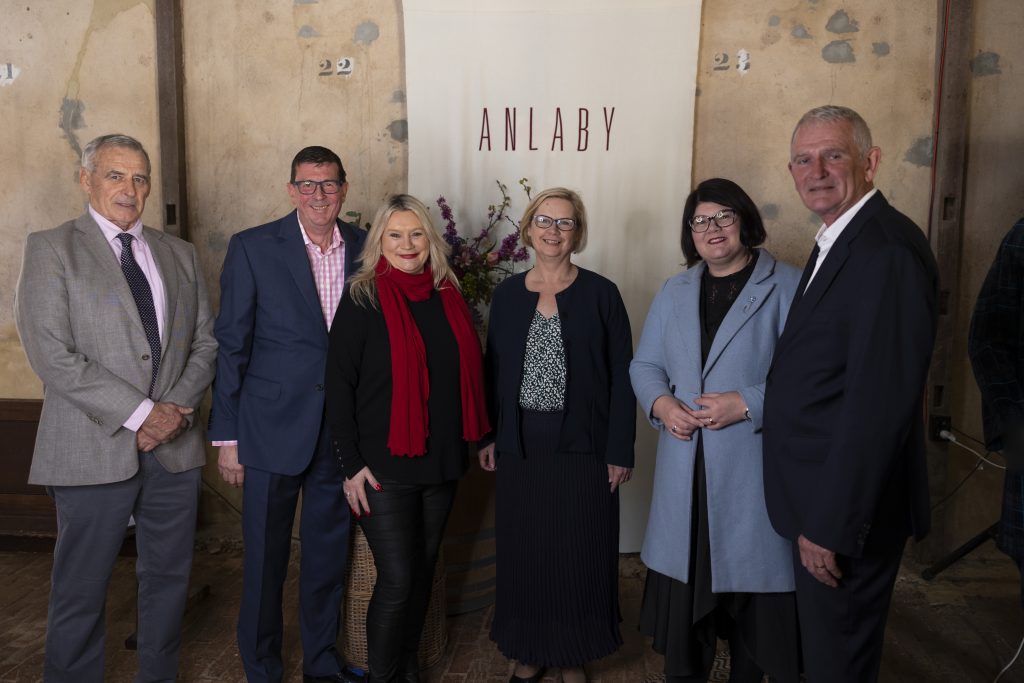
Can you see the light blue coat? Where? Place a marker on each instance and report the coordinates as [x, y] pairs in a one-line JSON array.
[[746, 553]]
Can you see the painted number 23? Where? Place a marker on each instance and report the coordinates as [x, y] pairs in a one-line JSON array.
[[721, 61]]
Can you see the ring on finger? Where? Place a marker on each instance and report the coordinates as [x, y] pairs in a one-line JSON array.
[[711, 421]]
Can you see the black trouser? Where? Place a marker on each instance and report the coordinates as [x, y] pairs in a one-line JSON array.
[[404, 531]]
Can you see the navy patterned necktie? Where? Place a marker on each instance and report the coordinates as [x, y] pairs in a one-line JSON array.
[[143, 296]]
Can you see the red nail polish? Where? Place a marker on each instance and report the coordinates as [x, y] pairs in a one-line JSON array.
[[378, 487]]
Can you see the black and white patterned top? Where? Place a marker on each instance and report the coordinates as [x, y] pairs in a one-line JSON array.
[[543, 386]]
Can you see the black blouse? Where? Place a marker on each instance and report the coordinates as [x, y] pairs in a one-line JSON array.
[[359, 394]]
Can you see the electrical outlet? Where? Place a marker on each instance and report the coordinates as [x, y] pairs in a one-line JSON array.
[[937, 423]]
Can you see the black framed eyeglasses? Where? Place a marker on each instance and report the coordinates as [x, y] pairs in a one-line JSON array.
[[309, 186], [722, 219], [544, 222]]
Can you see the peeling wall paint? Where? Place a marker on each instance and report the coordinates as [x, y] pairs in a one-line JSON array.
[[399, 130], [840, 22], [800, 31], [921, 152], [367, 32], [880, 49], [985, 64], [838, 52]]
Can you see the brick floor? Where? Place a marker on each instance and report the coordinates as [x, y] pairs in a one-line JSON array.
[[963, 626]]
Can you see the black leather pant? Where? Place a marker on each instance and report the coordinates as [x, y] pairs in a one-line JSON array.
[[404, 531]]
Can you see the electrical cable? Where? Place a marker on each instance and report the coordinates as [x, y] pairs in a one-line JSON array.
[[963, 433], [974, 470], [1007, 667], [948, 436]]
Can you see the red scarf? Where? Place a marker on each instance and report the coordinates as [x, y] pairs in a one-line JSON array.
[[410, 383]]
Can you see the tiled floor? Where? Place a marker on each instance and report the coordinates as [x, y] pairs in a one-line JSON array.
[[964, 626]]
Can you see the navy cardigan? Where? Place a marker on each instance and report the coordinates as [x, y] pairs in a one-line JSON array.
[[600, 409]]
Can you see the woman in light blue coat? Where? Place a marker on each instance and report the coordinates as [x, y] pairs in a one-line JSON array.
[[717, 569]]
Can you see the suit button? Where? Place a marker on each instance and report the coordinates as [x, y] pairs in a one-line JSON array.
[[319, 387], [145, 356]]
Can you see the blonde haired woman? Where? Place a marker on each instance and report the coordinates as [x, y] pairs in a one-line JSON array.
[[404, 396]]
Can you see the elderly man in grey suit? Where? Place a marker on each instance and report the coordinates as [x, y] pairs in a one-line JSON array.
[[115, 320]]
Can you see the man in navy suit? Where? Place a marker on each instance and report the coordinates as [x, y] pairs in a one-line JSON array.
[[280, 287], [844, 454]]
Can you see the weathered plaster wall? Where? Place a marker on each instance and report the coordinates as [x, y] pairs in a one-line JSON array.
[[81, 69], [255, 96], [875, 56], [994, 202]]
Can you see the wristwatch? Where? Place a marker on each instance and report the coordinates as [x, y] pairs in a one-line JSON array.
[[746, 414]]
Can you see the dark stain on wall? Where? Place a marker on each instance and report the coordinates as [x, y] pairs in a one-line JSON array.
[[307, 31], [840, 22], [986, 64], [398, 96], [880, 49], [770, 212], [800, 31], [774, 20], [920, 153], [367, 32], [838, 52], [70, 121], [399, 130]]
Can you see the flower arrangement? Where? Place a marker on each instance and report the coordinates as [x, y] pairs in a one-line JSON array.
[[481, 262]]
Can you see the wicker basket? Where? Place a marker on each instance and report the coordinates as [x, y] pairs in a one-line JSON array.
[[359, 582]]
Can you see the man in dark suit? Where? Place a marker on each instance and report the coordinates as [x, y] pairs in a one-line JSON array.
[[115, 321], [280, 287], [844, 455], [996, 347]]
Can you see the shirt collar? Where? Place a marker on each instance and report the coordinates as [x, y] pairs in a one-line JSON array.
[[335, 237], [828, 234], [111, 231]]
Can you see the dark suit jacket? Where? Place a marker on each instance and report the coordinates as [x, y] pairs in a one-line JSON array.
[[600, 409], [996, 340], [844, 454], [269, 390]]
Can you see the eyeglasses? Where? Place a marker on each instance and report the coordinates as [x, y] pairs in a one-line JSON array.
[[722, 219], [309, 186], [544, 222]]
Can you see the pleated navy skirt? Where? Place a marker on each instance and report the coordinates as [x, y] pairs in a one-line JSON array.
[[557, 528]]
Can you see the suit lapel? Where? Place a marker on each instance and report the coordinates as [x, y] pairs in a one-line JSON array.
[[750, 299], [687, 310], [293, 252], [837, 255], [830, 268], [169, 274], [108, 270]]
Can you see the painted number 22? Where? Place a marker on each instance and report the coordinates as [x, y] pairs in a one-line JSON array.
[[344, 67]]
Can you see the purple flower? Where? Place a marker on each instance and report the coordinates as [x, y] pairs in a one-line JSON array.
[[508, 246], [521, 255]]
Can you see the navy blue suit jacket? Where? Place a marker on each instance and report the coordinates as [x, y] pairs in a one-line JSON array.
[[844, 452], [269, 390], [600, 409]]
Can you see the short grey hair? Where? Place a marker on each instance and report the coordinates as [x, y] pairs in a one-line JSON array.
[[112, 140], [831, 113]]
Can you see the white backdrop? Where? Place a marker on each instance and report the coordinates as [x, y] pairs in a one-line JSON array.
[[595, 95]]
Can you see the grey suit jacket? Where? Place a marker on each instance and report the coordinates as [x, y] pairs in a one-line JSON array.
[[83, 336]]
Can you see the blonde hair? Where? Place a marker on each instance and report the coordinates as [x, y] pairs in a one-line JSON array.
[[579, 235], [363, 284]]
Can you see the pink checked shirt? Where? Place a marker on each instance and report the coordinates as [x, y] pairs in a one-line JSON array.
[[328, 271]]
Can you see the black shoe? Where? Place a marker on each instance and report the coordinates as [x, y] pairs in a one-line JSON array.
[[340, 677], [535, 678]]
